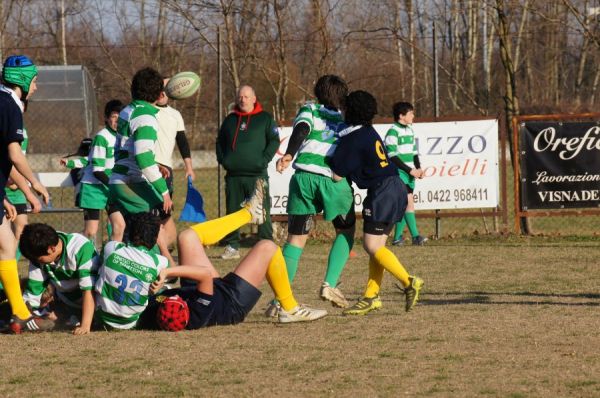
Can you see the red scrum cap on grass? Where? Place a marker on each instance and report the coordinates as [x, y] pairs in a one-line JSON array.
[[173, 314]]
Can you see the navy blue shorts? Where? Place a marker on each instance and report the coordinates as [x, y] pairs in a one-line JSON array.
[[21, 208], [233, 298], [384, 206]]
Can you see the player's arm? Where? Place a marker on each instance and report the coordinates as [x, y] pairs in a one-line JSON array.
[[144, 139], [299, 134], [85, 258], [420, 171], [201, 274], [18, 159], [98, 152], [401, 165], [88, 306], [416, 172], [9, 210], [22, 184], [77, 163], [37, 281], [184, 149]]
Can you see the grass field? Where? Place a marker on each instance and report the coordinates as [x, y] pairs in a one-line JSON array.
[[515, 317]]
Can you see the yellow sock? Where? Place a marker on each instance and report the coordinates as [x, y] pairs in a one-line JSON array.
[[278, 279], [12, 288], [211, 232], [375, 278], [390, 262]]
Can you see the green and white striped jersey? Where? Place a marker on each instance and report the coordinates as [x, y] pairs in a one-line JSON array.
[[101, 157], [319, 145], [25, 142], [76, 163], [400, 142], [134, 158], [71, 273], [123, 283]]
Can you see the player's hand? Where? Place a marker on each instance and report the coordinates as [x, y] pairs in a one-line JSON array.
[[283, 163], [421, 173], [63, 162], [336, 177], [159, 283], [36, 206], [167, 203], [79, 331], [414, 173], [190, 173], [164, 171], [40, 189], [10, 210]]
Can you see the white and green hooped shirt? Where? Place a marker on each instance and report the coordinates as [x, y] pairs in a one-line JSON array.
[[318, 147], [101, 157], [134, 159], [400, 142], [123, 284], [71, 273]]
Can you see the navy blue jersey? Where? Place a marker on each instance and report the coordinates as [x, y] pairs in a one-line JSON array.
[[11, 130], [360, 155]]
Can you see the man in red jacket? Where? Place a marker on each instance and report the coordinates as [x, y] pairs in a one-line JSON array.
[[247, 141]]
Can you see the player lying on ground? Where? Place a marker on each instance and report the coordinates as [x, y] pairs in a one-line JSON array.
[[360, 156], [213, 300], [65, 261], [125, 277]]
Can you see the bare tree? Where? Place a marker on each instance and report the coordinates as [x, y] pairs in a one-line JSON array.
[[6, 8]]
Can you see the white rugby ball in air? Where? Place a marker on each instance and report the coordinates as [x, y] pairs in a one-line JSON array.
[[182, 85]]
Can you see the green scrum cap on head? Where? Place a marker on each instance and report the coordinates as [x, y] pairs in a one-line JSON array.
[[20, 71]]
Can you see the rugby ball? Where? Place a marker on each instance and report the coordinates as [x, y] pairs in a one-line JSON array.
[[182, 85]]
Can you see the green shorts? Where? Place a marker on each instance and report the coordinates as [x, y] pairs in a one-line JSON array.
[[134, 198], [93, 196], [314, 193], [407, 179], [15, 196]]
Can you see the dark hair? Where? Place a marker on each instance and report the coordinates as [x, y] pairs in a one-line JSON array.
[[401, 108], [111, 106], [146, 85], [36, 239], [143, 229], [331, 90], [361, 108]]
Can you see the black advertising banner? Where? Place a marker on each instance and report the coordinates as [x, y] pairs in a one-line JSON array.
[[560, 165]]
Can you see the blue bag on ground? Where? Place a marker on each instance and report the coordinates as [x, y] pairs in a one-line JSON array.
[[193, 210]]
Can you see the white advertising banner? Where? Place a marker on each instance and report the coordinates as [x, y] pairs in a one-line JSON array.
[[459, 159]]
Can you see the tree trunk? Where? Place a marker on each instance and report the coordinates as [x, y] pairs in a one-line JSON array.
[[231, 53], [160, 32], [63, 33], [511, 101], [411, 38], [398, 42]]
